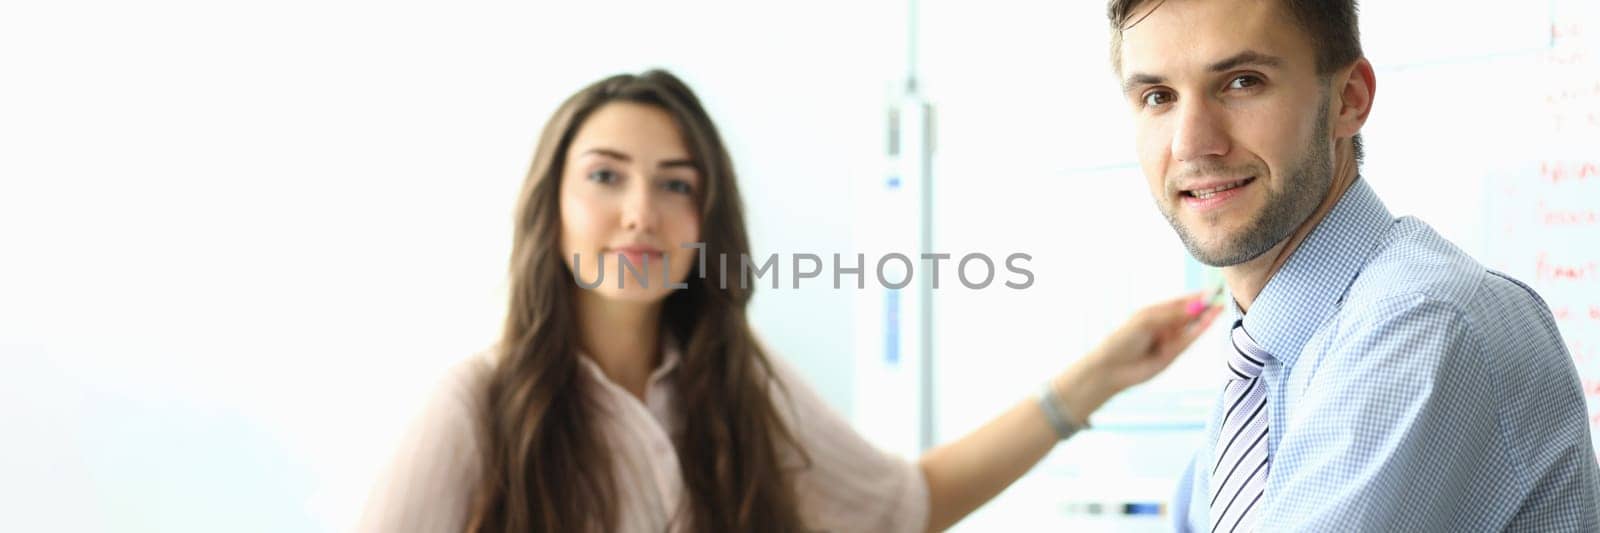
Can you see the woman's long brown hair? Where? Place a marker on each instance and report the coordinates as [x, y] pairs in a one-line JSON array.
[[545, 467]]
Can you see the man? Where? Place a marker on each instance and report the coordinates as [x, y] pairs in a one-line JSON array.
[[1379, 378]]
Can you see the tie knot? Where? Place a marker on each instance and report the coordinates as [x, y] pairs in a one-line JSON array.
[[1247, 358]]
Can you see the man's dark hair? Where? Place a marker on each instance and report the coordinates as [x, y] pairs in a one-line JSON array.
[[1329, 24]]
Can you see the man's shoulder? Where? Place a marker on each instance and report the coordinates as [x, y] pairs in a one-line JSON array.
[[1414, 260], [1415, 266], [1416, 280]]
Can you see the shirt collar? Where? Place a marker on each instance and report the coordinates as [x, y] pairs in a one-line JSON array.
[[1307, 290], [671, 353]]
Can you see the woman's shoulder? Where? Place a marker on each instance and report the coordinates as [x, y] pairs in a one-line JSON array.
[[793, 397], [454, 400], [472, 372], [460, 389], [435, 465]]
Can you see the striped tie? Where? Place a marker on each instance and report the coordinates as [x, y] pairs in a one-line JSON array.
[[1239, 473]]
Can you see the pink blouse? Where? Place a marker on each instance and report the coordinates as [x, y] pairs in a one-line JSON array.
[[850, 486]]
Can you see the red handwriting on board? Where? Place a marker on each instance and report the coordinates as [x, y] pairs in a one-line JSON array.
[[1564, 313], [1575, 92], [1569, 56], [1565, 55], [1582, 355], [1567, 217], [1566, 45], [1562, 122], [1547, 270], [1563, 31], [1557, 172]]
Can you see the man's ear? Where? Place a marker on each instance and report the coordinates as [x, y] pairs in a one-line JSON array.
[[1355, 87]]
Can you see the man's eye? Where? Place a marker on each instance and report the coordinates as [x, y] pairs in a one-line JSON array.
[[1244, 82], [1157, 98]]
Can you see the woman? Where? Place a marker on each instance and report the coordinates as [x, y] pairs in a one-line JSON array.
[[615, 403]]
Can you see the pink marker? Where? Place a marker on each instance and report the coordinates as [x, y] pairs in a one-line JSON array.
[[1199, 306]]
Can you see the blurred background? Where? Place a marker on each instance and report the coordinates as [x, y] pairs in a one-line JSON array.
[[240, 241]]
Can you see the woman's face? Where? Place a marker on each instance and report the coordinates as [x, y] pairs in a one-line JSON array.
[[629, 192]]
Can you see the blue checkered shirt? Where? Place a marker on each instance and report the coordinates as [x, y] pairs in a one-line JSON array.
[[1411, 389]]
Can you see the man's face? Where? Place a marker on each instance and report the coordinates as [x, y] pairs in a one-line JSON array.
[[1232, 121]]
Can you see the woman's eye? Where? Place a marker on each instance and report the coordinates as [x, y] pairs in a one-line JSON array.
[[678, 186], [603, 176]]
